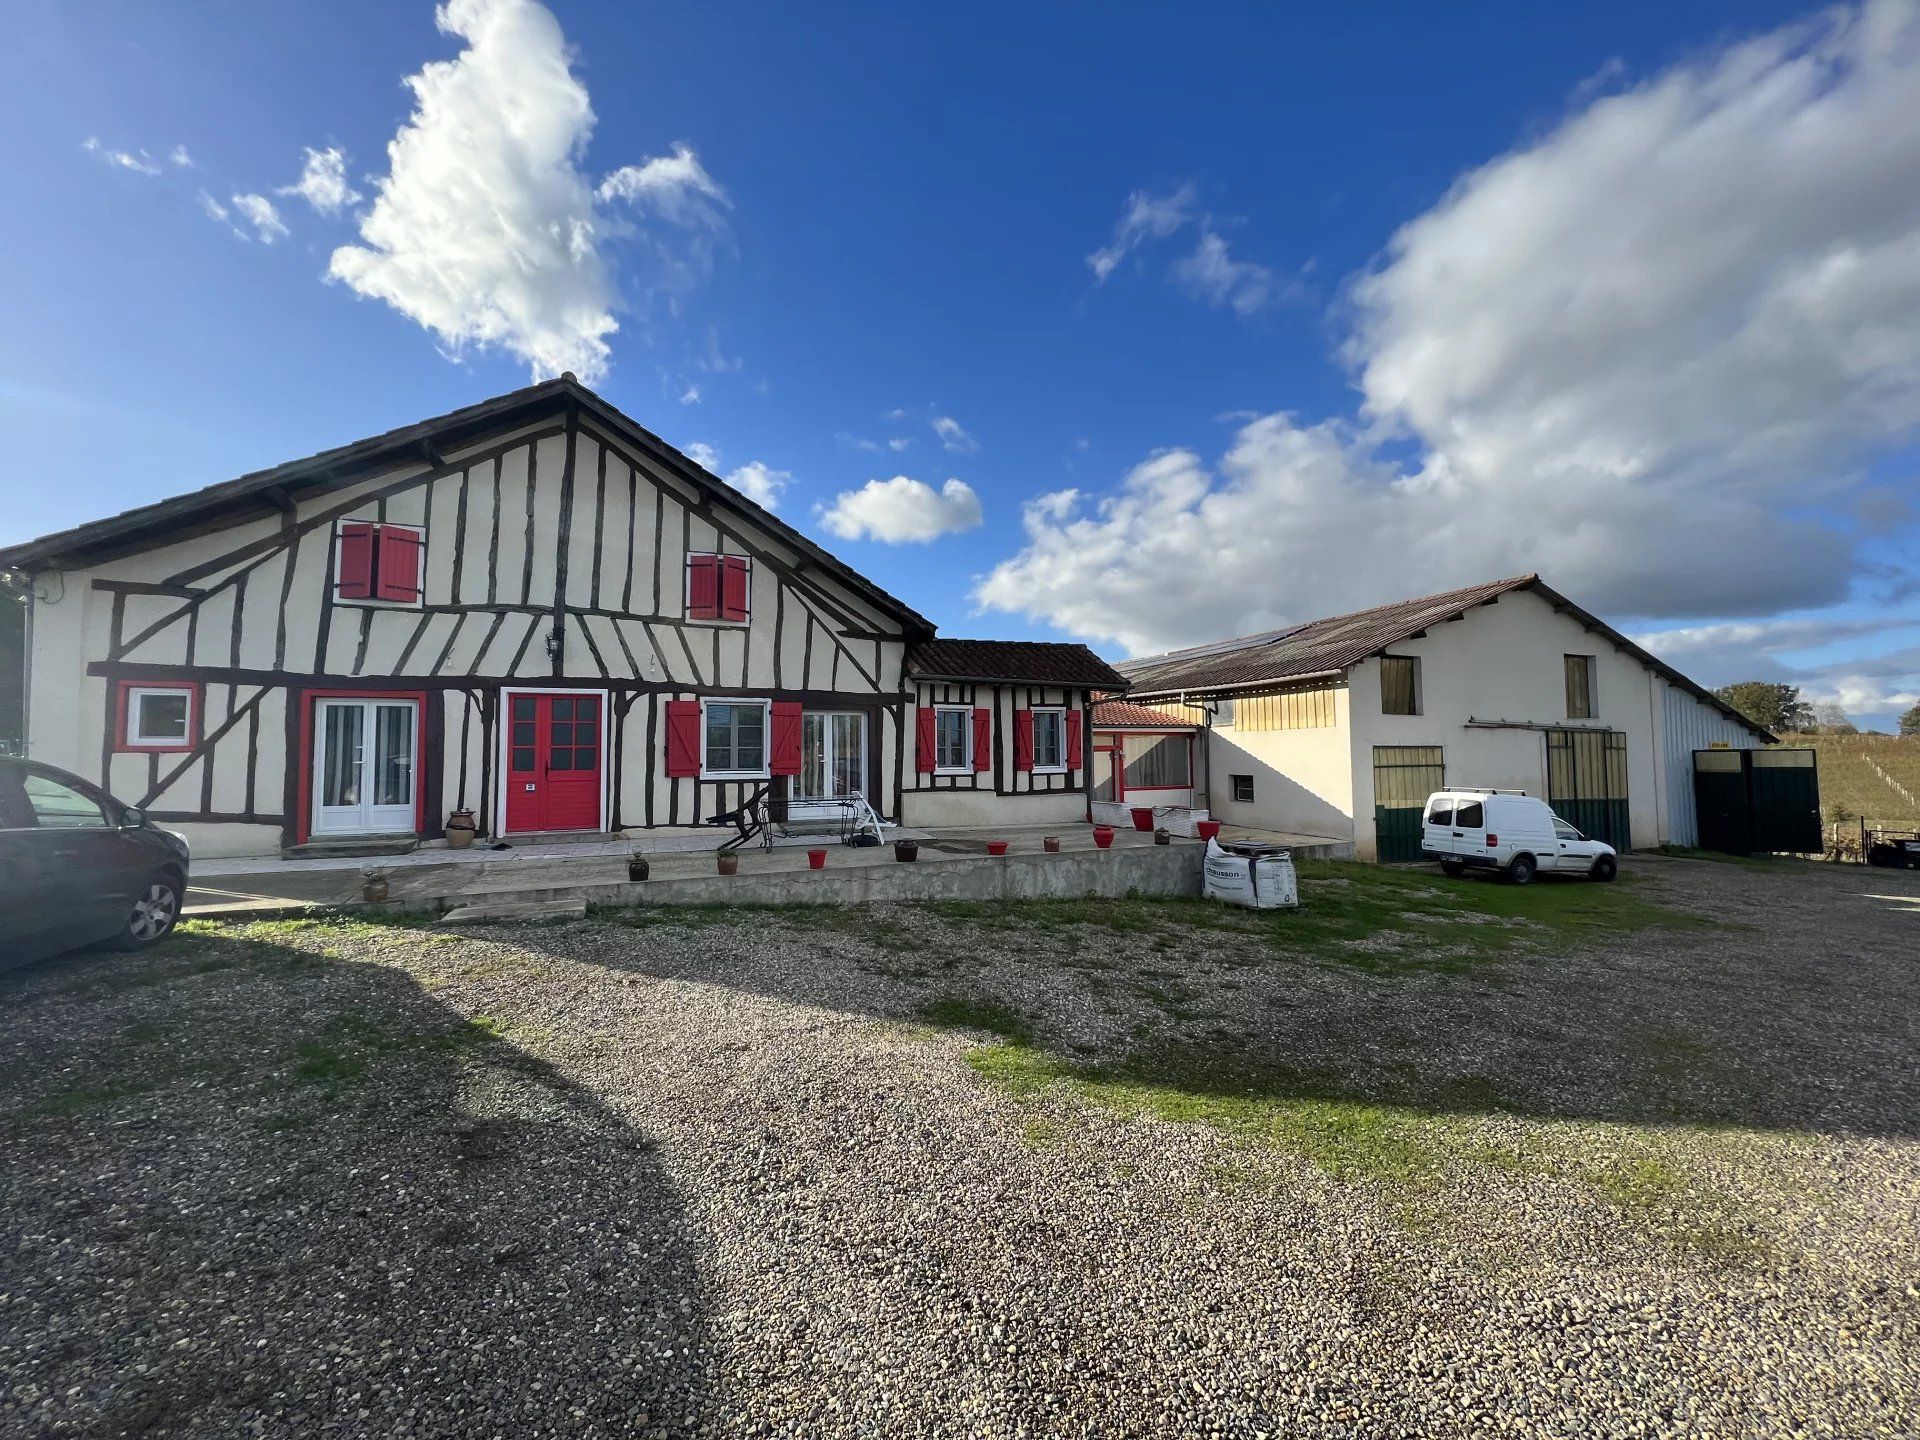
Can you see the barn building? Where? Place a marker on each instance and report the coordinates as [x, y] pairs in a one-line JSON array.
[[1342, 727], [532, 609]]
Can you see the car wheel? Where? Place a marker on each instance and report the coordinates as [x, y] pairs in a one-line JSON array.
[[1605, 867], [154, 914], [1455, 868], [1521, 869]]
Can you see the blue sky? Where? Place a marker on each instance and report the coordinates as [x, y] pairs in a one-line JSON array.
[[1218, 321]]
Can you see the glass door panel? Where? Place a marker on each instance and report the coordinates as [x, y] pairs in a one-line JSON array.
[[364, 766]]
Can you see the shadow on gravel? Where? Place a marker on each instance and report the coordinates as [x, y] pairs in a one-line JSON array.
[[250, 1189], [1799, 1015]]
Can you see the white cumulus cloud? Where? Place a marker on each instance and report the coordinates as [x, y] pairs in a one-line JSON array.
[[675, 187], [1648, 354], [485, 230], [902, 511], [323, 181], [760, 483]]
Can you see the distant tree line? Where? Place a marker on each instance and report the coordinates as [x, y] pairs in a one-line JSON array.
[[1780, 709]]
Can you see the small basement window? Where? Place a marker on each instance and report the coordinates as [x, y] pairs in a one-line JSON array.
[[1399, 685], [1241, 788], [953, 739], [1579, 670], [158, 716]]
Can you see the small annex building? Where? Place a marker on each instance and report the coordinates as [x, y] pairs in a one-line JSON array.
[[532, 609], [1146, 756], [1343, 726]]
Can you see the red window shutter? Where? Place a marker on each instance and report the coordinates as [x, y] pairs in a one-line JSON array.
[[733, 589], [923, 749], [703, 587], [356, 561], [1023, 739], [785, 755], [983, 739], [683, 738], [399, 553], [1074, 737]]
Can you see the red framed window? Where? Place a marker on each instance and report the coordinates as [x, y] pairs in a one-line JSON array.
[[157, 715], [380, 562], [719, 587]]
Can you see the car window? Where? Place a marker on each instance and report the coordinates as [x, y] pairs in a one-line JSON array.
[[57, 805], [1565, 831], [1440, 813], [1472, 815]]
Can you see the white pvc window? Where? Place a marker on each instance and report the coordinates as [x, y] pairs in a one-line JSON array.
[[160, 715], [1050, 740], [735, 739], [953, 739]]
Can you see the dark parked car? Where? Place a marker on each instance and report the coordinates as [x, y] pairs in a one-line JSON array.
[[77, 867]]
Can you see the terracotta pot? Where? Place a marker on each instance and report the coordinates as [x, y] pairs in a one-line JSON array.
[[1103, 836], [638, 867], [996, 847], [1163, 836], [906, 850], [1142, 817], [816, 859], [1207, 829], [375, 890], [1050, 844], [727, 862], [459, 836]]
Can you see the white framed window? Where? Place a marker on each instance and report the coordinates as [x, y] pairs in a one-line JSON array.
[[734, 739], [1050, 740], [953, 739], [159, 716]]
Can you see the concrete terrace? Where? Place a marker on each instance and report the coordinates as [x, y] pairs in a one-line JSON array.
[[953, 864]]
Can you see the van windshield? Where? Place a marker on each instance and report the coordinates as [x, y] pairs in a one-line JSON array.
[[1471, 815]]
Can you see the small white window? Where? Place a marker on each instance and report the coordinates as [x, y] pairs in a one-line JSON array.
[[736, 739], [953, 739], [1050, 740], [158, 717]]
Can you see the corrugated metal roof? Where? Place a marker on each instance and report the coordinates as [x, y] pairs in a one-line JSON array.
[[1331, 645], [1313, 648], [1035, 662], [1125, 715]]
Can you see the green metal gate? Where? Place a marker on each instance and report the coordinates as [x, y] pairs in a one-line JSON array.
[[1765, 801], [1403, 777], [1587, 783]]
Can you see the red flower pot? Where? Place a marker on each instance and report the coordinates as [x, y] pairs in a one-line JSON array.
[[1207, 829], [1103, 836], [816, 859], [1142, 817], [996, 847]]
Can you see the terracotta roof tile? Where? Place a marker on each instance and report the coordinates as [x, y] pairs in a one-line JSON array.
[[1125, 714]]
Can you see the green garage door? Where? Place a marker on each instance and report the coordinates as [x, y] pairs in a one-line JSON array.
[[1587, 783], [1403, 777]]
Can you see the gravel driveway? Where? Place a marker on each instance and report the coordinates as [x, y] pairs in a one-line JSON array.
[[1133, 1168]]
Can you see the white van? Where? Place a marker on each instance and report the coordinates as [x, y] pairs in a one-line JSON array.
[[1509, 831]]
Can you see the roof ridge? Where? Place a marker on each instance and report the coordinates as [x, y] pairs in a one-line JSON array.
[[1261, 637]]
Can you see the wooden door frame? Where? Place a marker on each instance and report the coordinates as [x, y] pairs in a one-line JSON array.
[[504, 719], [303, 831]]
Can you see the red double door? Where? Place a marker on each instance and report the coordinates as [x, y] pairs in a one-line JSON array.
[[553, 762]]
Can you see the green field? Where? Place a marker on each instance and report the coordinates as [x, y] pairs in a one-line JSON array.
[[1864, 774]]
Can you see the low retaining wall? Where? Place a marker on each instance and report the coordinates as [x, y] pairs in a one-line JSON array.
[[1144, 870]]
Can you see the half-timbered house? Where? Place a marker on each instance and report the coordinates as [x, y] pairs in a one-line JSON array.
[[532, 609]]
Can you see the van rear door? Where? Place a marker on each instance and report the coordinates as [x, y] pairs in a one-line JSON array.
[[1436, 830], [1469, 833]]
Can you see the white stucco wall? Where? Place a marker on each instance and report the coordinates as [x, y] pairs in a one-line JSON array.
[[1302, 779], [1505, 662]]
